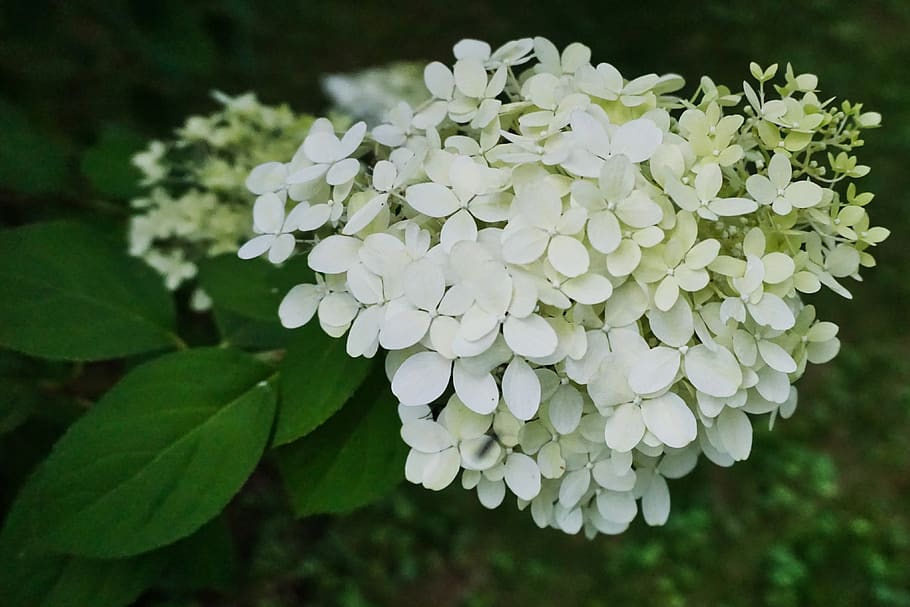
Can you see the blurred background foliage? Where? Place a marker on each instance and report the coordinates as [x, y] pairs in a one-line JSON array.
[[820, 514]]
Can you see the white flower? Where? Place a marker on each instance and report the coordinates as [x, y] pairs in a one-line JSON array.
[[777, 191], [274, 228], [592, 319], [329, 154]]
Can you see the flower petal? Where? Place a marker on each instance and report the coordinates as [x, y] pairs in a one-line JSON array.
[[521, 389], [421, 379], [669, 419], [522, 476]]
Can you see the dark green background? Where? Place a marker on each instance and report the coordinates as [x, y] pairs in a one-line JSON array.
[[817, 516]]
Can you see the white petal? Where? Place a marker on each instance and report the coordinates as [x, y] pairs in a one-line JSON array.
[[609, 478], [322, 147], [337, 309], [267, 177], [638, 210], [475, 49], [342, 171], [458, 227], [521, 389], [478, 391], [568, 256], [470, 77], [426, 436], [388, 135], [421, 379], [439, 80], [776, 357], [637, 139], [268, 214], [441, 469], [574, 485], [299, 305], [625, 428], [565, 409], [732, 207], [432, 199], [735, 432], [363, 337], [490, 493], [675, 326], [771, 311], [307, 218], [404, 329], [654, 371], [281, 248], [532, 336], [480, 453], [525, 245], [256, 247], [589, 289], [522, 476], [352, 140], [715, 372], [335, 254], [425, 284], [668, 418], [655, 503], [365, 214], [617, 507]]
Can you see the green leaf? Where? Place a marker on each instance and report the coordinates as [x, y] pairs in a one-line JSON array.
[[66, 581], [253, 288], [107, 163], [204, 560], [250, 333], [351, 460], [317, 378], [67, 292], [31, 161], [17, 401], [160, 455]]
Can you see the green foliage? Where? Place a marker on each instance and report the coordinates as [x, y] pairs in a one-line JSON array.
[[62, 581], [252, 288], [317, 378], [30, 161], [352, 459], [68, 292], [107, 163], [162, 453]]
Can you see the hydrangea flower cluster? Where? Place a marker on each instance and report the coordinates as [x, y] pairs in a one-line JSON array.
[[583, 281], [196, 204]]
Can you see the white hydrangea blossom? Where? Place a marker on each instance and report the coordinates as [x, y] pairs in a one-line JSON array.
[[583, 282]]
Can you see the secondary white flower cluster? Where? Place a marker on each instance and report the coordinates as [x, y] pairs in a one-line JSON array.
[[371, 93], [583, 282], [196, 203]]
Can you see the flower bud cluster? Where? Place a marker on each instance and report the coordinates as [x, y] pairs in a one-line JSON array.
[[195, 204]]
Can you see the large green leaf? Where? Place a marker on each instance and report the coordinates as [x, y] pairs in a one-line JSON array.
[[67, 581], [161, 454], [253, 288], [68, 292], [317, 378], [250, 333], [351, 460]]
